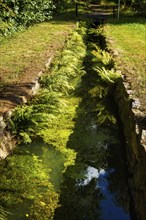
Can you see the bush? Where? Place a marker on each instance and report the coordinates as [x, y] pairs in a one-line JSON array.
[[23, 13]]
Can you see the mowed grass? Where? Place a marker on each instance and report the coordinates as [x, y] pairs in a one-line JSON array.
[[128, 38], [26, 52]]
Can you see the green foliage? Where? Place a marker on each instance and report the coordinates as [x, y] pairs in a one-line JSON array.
[[30, 178], [3, 213], [25, 137], [103, 64], [30, 182], [67, 67], [104, 116], [6, 27], [57, 83], [99, 91], [82, 28], [109, 76], [62, 5], [28, 121], [47, 101], [76, 44], [95, 31], [58, 134], [101, 58], [44, 206], [58, 138], [23, 13]]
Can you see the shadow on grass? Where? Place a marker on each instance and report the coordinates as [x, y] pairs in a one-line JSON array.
[[98, 13], [69, 15], [127, 20]]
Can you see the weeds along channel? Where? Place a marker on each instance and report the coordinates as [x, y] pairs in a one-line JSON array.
[[32, 175]]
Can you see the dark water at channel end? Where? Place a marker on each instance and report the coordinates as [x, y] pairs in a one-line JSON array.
[[96, 187]]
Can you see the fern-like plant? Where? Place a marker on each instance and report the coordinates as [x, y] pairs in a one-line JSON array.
[[102, 58], [3, 213], [27, 121], [109, 76], [67, 67]]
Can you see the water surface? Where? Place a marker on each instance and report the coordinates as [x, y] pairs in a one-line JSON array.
[[96, 187]]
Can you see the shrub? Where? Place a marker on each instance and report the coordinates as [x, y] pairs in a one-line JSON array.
[[23, 13]]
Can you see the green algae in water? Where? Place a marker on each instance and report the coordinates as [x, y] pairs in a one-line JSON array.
[[29, 177], [30, 163], [24, 178], [52, 159]]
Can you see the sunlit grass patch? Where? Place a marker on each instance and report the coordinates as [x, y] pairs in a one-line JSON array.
[[29, 49], [128, 38]]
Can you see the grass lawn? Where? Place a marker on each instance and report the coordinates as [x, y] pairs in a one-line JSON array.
[[128, 38], [25, 53]]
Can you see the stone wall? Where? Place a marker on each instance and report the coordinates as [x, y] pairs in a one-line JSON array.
[[134, 131], [7, 140]]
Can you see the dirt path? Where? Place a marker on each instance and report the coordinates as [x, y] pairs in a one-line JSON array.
[[99, 12]]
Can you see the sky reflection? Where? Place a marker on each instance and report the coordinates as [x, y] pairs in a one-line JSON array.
[[110, 210]]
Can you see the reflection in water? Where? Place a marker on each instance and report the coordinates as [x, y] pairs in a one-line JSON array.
[[109, 209], [91, 173], [96, 187]]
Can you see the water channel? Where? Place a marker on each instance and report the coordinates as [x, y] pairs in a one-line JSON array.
[[96, 186]]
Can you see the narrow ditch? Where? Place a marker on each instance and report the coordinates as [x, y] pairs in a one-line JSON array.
[[75, 136], [96, 187]]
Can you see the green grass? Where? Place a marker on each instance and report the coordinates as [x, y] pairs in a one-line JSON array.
[[26, 52], [128, 38]]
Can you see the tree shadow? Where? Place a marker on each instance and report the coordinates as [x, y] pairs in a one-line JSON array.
[[100, 13]]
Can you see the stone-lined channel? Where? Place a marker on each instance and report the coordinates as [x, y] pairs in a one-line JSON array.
[[96, 186]]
